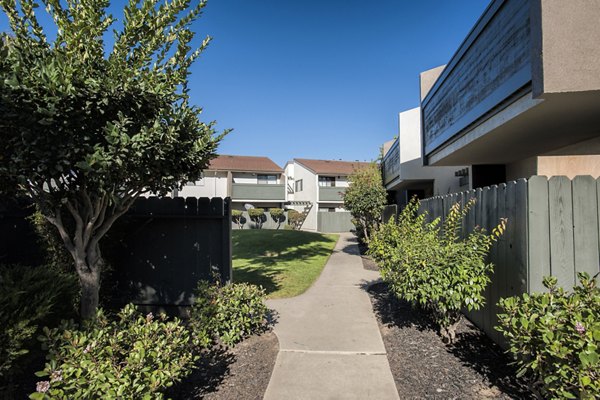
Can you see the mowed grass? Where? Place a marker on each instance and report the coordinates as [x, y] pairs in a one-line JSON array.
[[283, 262]]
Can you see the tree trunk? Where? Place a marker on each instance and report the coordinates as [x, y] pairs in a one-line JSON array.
[[89, 267], [90, 293]]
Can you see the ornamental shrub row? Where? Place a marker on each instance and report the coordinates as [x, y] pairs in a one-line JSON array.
[[430, 265], [132, 356]]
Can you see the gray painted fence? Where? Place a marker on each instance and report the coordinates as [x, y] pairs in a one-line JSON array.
[[268, 222], [553, 229], [334, 222], [157, 251]]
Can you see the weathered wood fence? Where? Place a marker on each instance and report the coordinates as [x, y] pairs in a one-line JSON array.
[[553, 229], [157, 251], [334, 222]]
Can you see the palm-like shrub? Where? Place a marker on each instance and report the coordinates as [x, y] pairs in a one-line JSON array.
[[278, 215], [257, 215]]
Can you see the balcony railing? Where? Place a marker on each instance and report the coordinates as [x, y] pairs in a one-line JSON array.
[[250, 191], [328, 193]]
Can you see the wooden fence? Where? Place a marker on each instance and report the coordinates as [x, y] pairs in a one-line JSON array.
[[553, 229], [334, 222], [157, 251]]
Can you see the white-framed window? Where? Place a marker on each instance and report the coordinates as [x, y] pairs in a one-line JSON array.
[[327, 181], [298, 185], [326, 209], [267, 179]]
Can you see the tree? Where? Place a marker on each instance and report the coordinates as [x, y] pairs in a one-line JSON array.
[[257, 215], [365, 198], [87, 128], [278, 215]]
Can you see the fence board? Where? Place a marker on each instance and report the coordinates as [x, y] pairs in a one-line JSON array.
[[538, 232], [520, 248], [561, 230], [585, 225]]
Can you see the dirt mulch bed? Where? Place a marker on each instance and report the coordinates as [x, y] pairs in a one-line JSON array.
[[367, 261], [239, 373], [424, 367]]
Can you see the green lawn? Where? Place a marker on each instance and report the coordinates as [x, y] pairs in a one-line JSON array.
[[284, 262]]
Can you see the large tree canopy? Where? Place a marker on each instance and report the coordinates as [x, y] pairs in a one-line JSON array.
[[86, 127]]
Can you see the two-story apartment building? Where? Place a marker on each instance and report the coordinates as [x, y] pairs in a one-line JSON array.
[[404, 174], [316, 187], [247, 180], [521, 95]]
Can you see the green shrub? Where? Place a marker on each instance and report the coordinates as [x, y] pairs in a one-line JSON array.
[[227, 313], [278, 215], [130, 357], [555, 337], [30, 297], [257, 215], [428, 264], [237, 217], [295, 219]]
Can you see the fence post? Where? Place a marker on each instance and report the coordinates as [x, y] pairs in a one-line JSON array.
[[226, 232]]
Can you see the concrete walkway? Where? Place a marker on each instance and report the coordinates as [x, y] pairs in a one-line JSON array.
[[329, 342]]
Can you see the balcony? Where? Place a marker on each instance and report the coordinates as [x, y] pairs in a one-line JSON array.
[[391, 163], [250, 191], [328, 193], [489, 69]]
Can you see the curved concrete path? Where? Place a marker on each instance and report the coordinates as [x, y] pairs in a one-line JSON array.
[[329, 342]]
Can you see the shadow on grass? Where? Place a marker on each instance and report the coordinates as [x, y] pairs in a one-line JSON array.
[[265, 256]]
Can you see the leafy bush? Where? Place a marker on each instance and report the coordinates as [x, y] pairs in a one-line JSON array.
[[295, 219], [278, 215], [365, 198], [237, 217], [257, 215], [227, 313], [555, 337], [132, 356], [30, 297], [428, 264]]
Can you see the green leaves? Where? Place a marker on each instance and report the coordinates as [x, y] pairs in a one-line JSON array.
[[365, 198], [129, 356], [554, 337], [227, 313], [432, 265]]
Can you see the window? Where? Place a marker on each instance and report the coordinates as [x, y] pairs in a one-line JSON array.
[[267, 179], [328, 181], [298, 184], [326, 209]]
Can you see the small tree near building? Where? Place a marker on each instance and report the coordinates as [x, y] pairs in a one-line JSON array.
[[86, 129], [257, 215], [365, 198], [278, 215]]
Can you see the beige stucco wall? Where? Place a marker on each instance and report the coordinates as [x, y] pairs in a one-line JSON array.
[[569, 166], [428, 78], [566, 37]]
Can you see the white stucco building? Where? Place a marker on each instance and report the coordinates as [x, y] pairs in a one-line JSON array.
[[247, 180], [316, 187], [404, 174]]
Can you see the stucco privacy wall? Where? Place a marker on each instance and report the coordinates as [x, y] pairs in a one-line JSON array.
[[565, 37]]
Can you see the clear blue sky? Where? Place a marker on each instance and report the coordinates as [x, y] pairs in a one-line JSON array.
[[319, 78]]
